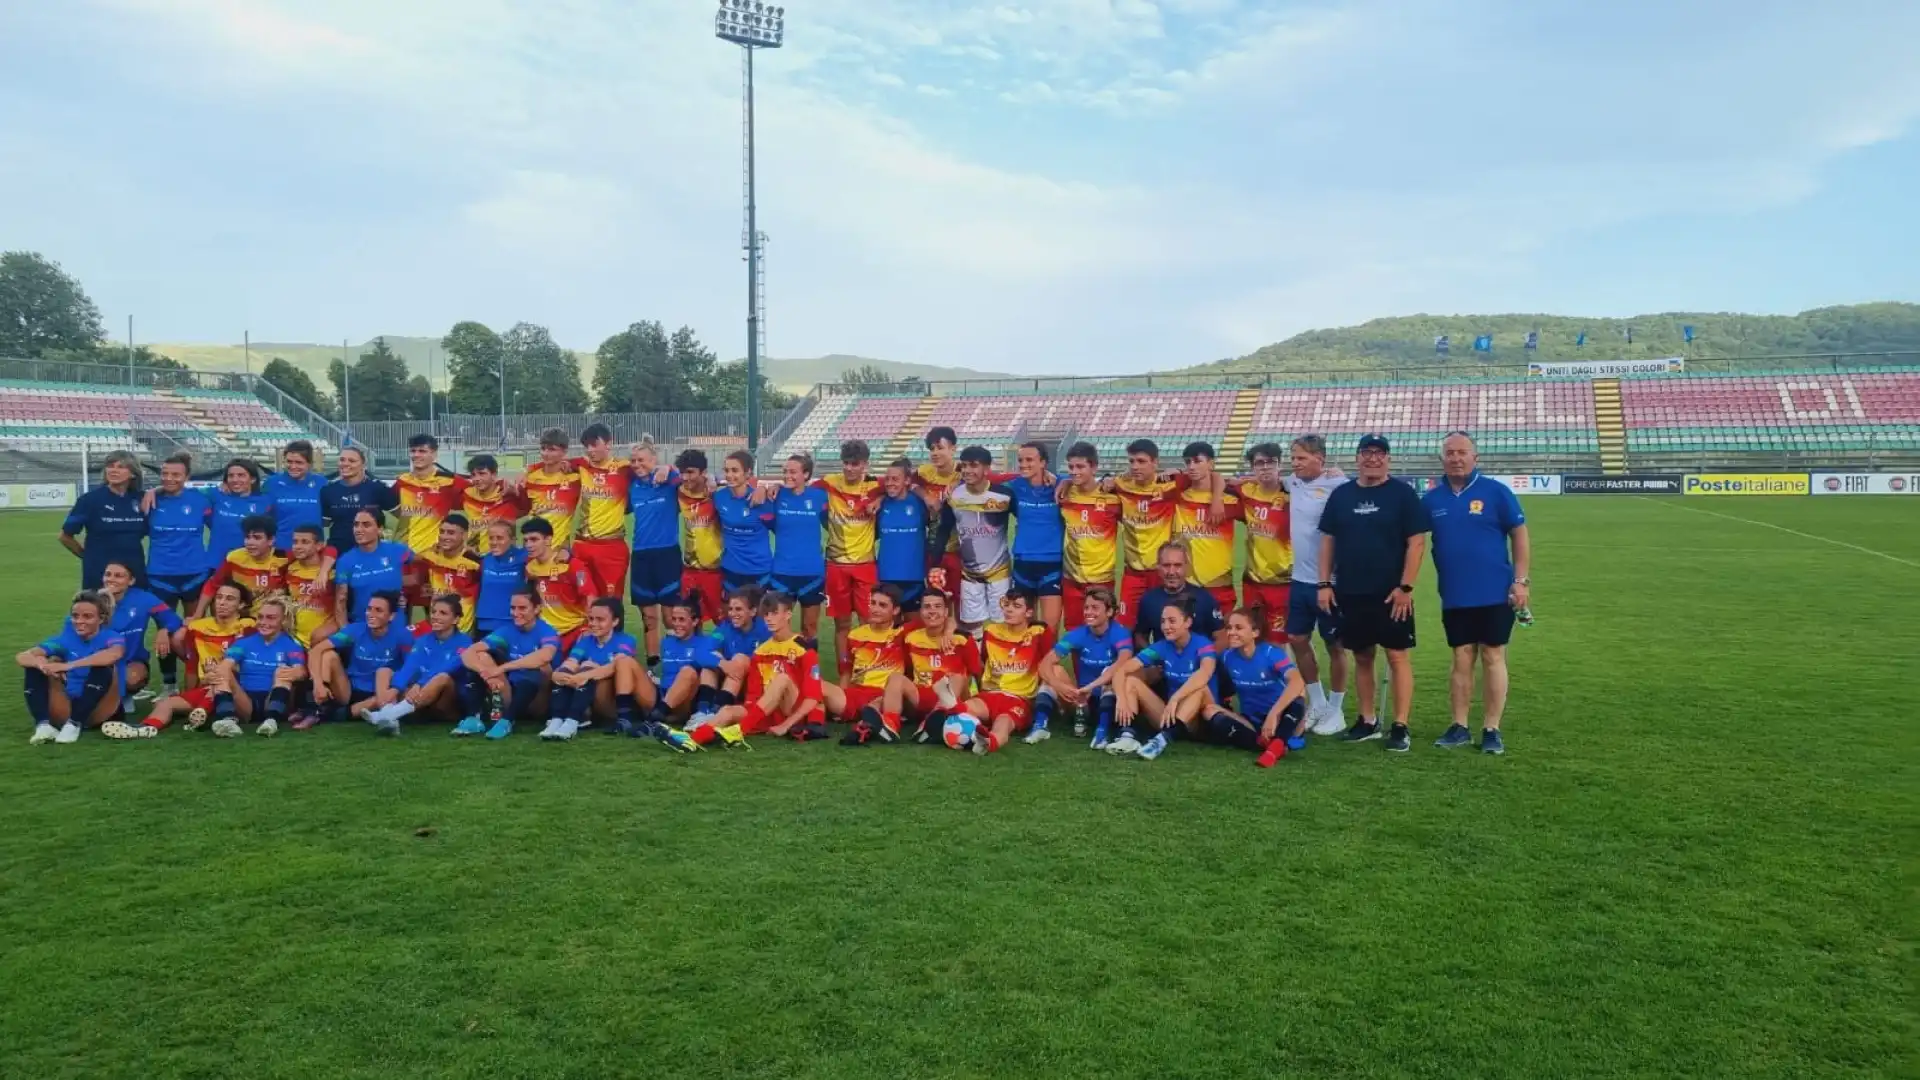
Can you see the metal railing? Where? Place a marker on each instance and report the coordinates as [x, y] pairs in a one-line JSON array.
[[523, 430]]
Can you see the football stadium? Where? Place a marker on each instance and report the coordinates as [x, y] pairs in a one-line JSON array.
[[1687, 861]]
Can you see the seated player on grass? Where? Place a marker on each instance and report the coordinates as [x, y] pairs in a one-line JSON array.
[[260, 673], [740, 633], [353, 668], [1187, 662], [1096, 646], [783, 695], [133, 608], [600, 677], [511, 666], [877, 651], [689, 666], [254, 565], [1272, 716], [428, 684], [941, 667], [1012, 695], [73, 678], [203, 644]]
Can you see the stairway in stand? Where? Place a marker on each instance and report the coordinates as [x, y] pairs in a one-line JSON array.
[[207, 423], [1611, 422], [910, 432], [1239, 424]]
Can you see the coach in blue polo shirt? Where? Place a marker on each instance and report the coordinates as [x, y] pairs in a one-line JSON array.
[[1474, 520]]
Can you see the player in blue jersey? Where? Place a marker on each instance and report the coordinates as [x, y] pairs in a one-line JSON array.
[[740, 634], [72, 678], [1097, 647], [746, 526], [177, 547], [689, 666], [503, 572], [348, 494], [511, 665], [259, 675], [374, 648], [654, 579], [373, 565], [294, 491], [1187, 662], [901, 535], [1039, 533], [113, 519], [799, 553], [428, 684], [1272, 716], [237, 499], [133, 608], [600, 677]]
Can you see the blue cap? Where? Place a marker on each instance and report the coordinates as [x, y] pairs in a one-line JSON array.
[[1374, 442]]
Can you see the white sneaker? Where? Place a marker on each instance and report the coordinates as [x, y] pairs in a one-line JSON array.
[[568, 729], [69, 732], [1328, 721], [145, 694], [226, 727], [552, 730], [1125, 744], [1037, 735], [120, 729], [698, 720], [268, 727], [196, 719], [43, 733]]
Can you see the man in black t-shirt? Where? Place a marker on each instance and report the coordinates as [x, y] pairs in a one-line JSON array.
[[1375, 538], [1175, 562]]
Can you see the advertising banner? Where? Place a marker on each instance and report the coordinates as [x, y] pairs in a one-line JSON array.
[[36, 496], [1588, 369], [1528, 483], [1745, 484], [1620, 485], [1866, 483]]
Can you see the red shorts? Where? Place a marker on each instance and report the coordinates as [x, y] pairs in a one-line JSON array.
[[859, 697], [706, 585], [1010, 705], [1269, 602], [606, 561], [1224, 599], [1133, 585], [924, 700], [198, 698], [945, 578], [849, 586]]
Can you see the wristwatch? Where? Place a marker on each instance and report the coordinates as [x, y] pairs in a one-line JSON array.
[[1405, 588], [1326, 585], [1523, 581]]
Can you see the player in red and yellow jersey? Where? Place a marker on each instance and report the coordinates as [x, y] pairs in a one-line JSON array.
[[934, 480], [1266, 506], [941, 666], [450, 569], [853, 498], [1146, 521], [203, 642], [424, 497], [1013, 650], [255, 566], [602, 541], [700, 542], [783, 695], [878, 655], [1204, 517], [1090, 518], [309, 578], [487, 499], [564, 586], [552, 487]]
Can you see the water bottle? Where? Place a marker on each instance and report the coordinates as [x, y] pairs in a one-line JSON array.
[[1524, 616]]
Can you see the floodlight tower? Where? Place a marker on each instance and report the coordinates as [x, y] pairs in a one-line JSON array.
[[751, 24]]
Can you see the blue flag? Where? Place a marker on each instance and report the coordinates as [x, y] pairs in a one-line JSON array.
[[1533, 339], [1441, 345], [1629, 333], [1687, 332], [1581, 341], [1483, 343]]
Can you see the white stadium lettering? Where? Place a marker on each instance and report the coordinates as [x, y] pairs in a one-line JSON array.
[[1501, 407], [1389, 409]]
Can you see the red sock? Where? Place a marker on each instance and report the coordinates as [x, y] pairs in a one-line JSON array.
[[993, 742], [1275, 750], [891, 721], [153, 721], [756, 717]]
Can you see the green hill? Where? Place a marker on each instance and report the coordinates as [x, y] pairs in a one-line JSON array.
[[1407, 341]]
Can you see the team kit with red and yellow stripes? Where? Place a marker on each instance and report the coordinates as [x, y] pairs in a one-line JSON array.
[[576, 549]]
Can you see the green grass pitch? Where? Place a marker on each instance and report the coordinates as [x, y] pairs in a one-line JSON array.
[[1695, 860]]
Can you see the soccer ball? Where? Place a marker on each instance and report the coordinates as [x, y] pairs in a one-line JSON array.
[[958, 731]]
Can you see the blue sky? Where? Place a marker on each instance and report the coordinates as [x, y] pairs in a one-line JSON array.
[[1033, 185]]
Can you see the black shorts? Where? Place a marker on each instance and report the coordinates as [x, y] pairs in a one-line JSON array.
[[910, 592], [1367, 621], [1489, 625], [1043, 577], [655, 576], [807, 590]]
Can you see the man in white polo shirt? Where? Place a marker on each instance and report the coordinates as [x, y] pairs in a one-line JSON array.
[[1309, 485]]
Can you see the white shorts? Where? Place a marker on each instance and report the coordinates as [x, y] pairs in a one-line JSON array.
[[980, 600]]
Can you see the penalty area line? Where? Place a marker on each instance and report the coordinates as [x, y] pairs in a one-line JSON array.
[[1784, 529]]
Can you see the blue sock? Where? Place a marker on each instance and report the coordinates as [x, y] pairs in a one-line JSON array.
[[223, 704], [473, 698], [704, 697], [1043, 706], [39, 696], [278, 702], [624, 710], [1103, 710]]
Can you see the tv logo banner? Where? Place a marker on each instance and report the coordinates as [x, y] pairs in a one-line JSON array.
[[1589, 369], [1620, 485], [1866, 483], [1746, 484], [1529, 483]]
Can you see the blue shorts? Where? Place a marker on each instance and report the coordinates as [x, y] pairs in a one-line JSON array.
[[910, 592], [182, 589], [655, 576], [807, 590], [1043, 577], [731, 582], [1303, 612]]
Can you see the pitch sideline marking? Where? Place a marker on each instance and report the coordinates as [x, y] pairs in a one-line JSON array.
[[1784, 529]]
